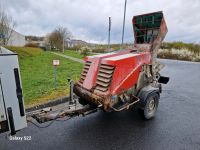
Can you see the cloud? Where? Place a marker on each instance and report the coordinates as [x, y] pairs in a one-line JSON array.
[[88, 19]]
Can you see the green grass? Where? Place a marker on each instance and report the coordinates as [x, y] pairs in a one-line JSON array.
[[73, 54], [38, 75], [25, 52], [76, 54]]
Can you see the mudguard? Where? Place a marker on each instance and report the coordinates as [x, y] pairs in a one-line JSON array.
[[145, 91]]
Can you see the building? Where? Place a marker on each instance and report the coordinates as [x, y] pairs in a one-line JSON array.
[[16, 39], [37, 41], [73, 43]]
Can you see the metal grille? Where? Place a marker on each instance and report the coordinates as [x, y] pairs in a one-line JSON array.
[[104, 77], [85, 71]]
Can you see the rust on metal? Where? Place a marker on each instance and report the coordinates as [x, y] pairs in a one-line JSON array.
[[70, 111]]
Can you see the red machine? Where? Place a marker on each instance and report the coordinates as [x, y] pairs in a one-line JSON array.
[[117, 80], [113, 81]]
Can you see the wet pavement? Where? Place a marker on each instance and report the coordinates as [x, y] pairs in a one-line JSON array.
[[175, 127]]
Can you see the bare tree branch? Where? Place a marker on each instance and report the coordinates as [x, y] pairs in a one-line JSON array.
[[57, 37], [6, 27]]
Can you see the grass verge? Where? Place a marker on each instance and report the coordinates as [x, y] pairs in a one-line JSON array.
[[38, 75], [74, 54]]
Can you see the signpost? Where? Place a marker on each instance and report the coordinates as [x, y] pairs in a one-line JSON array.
[[56, 63]]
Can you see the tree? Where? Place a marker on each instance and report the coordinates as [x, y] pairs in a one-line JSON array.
[[6, 27], [58, 37]]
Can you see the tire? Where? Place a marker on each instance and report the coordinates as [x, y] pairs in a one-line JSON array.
[[150, 106], [82, 101]]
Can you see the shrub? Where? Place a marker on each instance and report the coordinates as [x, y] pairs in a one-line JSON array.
[[178, 54], [31, 45], [85, 51], [98, 50], [180, 45]]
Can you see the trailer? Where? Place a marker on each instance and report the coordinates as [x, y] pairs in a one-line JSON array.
[[114, 81]]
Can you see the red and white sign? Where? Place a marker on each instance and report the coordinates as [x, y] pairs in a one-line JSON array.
[[56, 62]]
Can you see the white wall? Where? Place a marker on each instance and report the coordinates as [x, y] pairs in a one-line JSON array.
[[16, 39]]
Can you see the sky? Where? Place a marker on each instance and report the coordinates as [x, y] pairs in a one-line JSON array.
[[88, 19]]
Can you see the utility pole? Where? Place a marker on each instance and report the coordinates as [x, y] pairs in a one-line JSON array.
[[123, 24], [109, 29]]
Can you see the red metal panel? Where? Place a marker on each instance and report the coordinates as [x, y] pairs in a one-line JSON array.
[[126, 70], [90, 80], [91, 75]]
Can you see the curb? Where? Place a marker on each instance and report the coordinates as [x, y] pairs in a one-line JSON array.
[[48, 104]]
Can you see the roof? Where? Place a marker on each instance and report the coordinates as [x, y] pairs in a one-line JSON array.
[[4, 51]]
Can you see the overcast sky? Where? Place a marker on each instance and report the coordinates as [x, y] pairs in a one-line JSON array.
[[88, 19]]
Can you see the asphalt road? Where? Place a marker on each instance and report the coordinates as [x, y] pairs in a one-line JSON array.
[[175, 127]]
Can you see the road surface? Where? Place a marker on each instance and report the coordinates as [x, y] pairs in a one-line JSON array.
[[175, 127]]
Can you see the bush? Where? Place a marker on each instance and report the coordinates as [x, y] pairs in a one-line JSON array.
[[180, 45], [178, 54], [75, 48], [31, 45], [98, 50], [85, 51]]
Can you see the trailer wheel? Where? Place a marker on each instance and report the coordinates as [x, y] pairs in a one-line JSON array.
[[150, 106], [82, 101]]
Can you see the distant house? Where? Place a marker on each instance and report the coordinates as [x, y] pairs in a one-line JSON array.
[[16, 39], [73, 43], [38, 41]]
